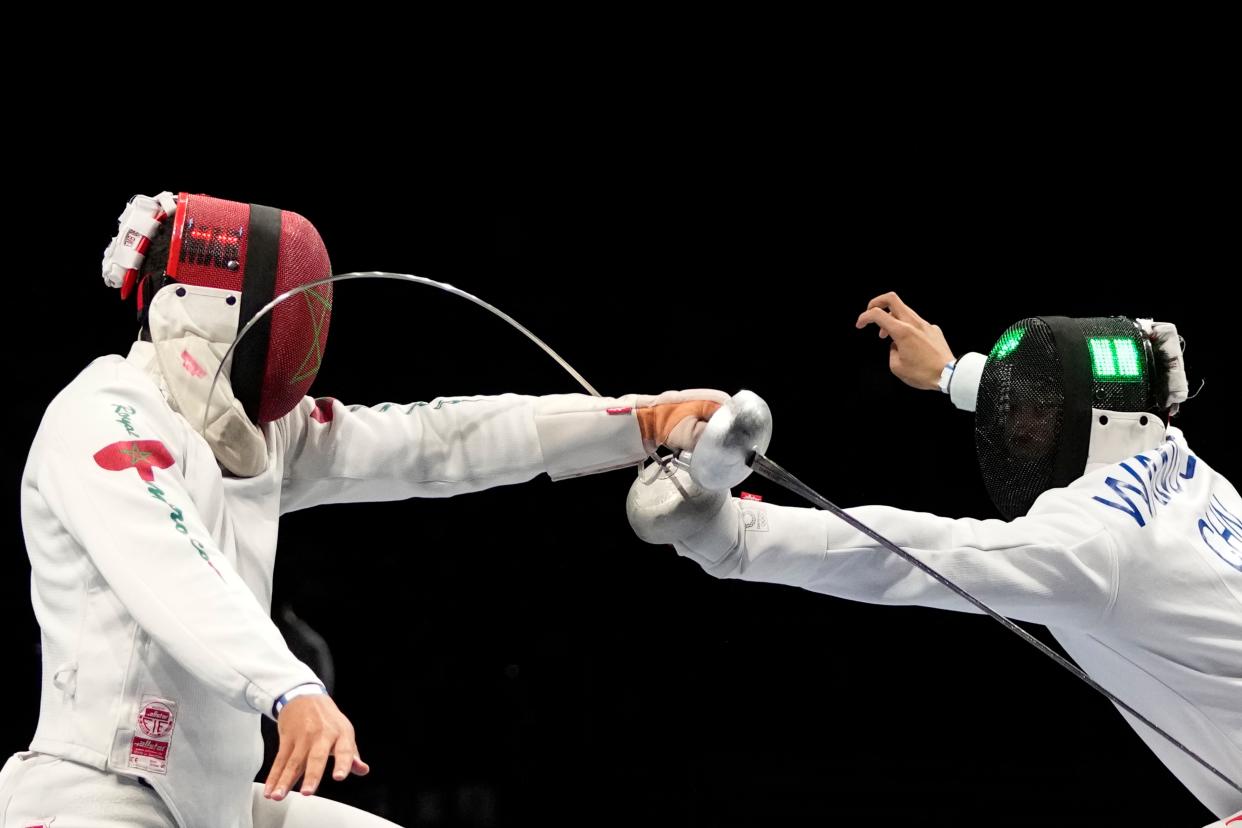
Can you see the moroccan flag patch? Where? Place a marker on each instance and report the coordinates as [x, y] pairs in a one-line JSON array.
[[142, 455]]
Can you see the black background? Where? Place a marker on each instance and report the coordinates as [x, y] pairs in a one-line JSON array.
[[517, 657]]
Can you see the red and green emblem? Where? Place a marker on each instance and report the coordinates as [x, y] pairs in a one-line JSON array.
[[142, 455]]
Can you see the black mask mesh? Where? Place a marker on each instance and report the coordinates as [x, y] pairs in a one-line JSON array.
[[1020, 428]]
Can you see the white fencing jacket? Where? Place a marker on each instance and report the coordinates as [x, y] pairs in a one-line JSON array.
[[152, 571], [1135, 568]]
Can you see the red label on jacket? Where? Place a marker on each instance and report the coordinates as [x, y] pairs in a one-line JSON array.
[[156, 720], [149, 748]]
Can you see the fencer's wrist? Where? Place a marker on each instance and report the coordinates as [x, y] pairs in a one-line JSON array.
[[297, 692], [946, 376]]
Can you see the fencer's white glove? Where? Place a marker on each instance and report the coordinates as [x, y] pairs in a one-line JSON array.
[[665, 505]]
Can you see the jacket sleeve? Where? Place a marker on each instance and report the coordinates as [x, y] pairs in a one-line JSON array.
[[125, 503], [333, 453], [1057, 568]]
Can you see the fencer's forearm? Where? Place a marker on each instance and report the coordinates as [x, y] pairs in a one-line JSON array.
[[450, 446], [580, 434], [1050, 571]]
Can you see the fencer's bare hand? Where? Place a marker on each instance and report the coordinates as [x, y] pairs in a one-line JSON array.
[[918, 351], [312, 728]]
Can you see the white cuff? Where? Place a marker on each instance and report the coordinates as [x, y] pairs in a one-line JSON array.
[[963, 385], [946, 376], [300, 690]]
